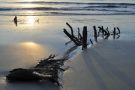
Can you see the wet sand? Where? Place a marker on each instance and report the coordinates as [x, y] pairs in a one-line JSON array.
[[23, 45], [108, 65]]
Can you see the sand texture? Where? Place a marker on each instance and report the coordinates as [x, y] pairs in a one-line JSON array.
[[109, 65]]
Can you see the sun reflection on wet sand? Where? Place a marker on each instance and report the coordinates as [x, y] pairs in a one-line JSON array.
[[31, 52], [30, 45], [33, 49], [25, 54], [30, 20]]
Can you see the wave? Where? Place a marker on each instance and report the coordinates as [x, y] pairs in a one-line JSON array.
[[72, 8], [43, 2]]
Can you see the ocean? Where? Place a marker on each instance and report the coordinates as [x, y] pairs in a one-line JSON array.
[[67, 7]]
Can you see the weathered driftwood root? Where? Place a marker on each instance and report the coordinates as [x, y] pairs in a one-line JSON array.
[[73, 38], [81, 39], [77, 40], [100, 31], [105, 32], [47, 69], [50, 62]]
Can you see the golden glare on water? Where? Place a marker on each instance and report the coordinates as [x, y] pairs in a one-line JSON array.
[[30, 19]]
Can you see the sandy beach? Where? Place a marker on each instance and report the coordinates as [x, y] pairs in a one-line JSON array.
[[35, 44], [107, 65]]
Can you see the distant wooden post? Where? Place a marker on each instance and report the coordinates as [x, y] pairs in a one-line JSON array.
[[95, 33], [118, 30], [118, 33], [84, 39]]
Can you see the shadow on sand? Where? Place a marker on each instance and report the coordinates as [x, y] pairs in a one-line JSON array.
[[108, 69], [31, 86]]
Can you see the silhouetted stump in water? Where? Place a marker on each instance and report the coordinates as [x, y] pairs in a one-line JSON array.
[[15, 20]]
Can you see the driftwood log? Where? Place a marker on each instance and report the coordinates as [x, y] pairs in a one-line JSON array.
[[46, 69]]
